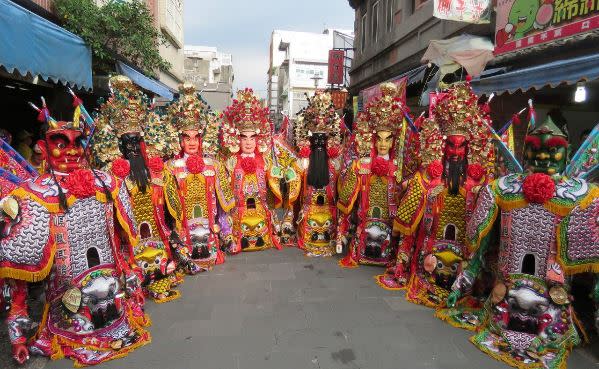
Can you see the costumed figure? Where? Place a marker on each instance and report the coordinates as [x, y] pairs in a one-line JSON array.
[[62, 227], [126, 133], [255, 173], [206, 198], [456, 156], [369, 187], [319, 141], [548, 230]]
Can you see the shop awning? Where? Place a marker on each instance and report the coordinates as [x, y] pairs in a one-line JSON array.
[[145, 82], [552, 74], [415, 75], [33, 45]]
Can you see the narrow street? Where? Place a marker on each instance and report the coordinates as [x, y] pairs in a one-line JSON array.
[[281, 310]]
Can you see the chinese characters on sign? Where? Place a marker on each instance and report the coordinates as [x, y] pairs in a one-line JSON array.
[[525, 23], [471, 11], [336, 70]]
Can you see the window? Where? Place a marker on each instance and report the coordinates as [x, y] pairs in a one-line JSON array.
[[363, 33], [375, 21]]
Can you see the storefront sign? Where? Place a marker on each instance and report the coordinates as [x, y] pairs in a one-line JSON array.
[[336, 70], [525, 23], [375, 91], [470, 11]]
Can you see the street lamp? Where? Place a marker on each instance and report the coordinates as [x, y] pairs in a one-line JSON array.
[[316, 78]]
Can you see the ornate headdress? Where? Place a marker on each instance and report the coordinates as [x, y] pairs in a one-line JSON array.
[[385, 113], [128, 111], [246, 114], [318, 116], [457, 113], [190, 112]]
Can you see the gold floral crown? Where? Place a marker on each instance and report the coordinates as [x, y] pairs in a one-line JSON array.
[[189, 112], [318, 116], [245, 114], [457, 113], [127, 111], [385, 113]]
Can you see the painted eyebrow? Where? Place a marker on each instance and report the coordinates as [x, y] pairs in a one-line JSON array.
[[60, 136]]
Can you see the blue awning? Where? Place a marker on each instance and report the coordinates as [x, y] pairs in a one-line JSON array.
[[33, 45], [144, 82], [552, 74]]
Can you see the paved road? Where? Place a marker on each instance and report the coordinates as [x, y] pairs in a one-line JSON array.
[[281, 310]]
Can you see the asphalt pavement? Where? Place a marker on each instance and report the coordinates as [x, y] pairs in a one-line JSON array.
[[281, 310]]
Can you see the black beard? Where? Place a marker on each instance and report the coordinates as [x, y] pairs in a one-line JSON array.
[[318, 169], [139, 172], [454, 175]]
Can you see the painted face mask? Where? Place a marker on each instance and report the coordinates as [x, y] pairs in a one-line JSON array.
[[546, 149], [63, 148], [320, 224], [384, 142], [130, 145], [254, 230], [378, 237], [190, 142], [456, 148], [248, 142]]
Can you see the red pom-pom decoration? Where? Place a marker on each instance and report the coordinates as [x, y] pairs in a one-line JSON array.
[[156, 164], [468, 78], [538, 188], [475, 171], [195, 164], [533, 141], [333, 152], [121, 168], [248, 165], [557, 141], [305, 152], [435, 169], [516, 119], [81, 183], [380, 167]]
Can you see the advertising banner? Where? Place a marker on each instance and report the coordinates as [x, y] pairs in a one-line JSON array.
[[469, 11], [523, 24]]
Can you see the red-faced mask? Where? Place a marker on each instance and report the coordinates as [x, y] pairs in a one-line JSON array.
[[63, 149], [455, 148]]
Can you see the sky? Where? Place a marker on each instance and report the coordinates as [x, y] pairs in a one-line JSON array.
[[243, 28]]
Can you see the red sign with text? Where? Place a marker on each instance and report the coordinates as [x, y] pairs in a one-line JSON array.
[[525, 23], [336, 72]]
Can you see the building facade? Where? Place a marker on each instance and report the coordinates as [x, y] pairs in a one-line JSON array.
[[212, 73], [168, 15], [392, 36], [298, 65]]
